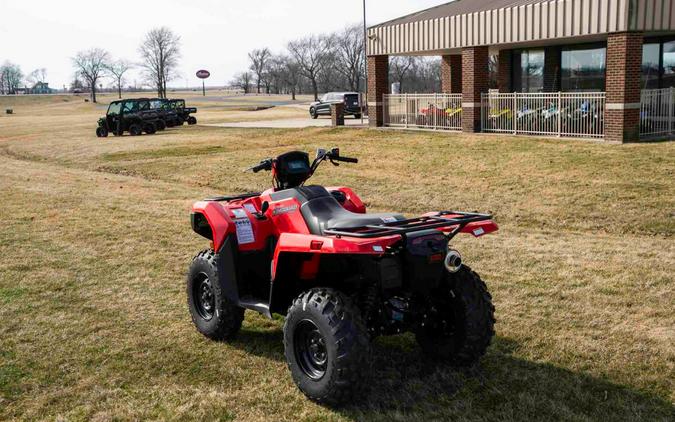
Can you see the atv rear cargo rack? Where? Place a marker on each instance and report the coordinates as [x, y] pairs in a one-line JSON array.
[[403, 227]]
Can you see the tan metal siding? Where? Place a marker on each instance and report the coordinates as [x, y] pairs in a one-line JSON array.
[[524, 22]]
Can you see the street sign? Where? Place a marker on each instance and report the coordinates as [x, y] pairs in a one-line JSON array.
[[203, 74]]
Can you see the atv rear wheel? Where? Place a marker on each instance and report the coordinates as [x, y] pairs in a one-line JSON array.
[[150, 129], [326, 345], [161, 125], [135, 130], [213, 314], [460, 323], [192, 120], [101, 132]]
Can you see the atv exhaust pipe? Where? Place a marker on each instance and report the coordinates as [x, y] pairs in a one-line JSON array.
[[453, 261]]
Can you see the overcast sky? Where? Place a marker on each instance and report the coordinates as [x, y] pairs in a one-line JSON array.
[[216, 35]]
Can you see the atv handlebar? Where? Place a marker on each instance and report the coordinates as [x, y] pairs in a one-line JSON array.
[[346, 159], [264, 165]]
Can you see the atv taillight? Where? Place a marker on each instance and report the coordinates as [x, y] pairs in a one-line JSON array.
[[315, 245]]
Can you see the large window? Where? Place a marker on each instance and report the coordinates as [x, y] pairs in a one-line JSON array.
[[668, 78], [528, 70], [583, 68], [651, 56]]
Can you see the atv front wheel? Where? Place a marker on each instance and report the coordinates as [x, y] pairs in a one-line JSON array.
[[459, 324], [213, 314], [101, 132], [161, 125], [326, 345], [192, 120]]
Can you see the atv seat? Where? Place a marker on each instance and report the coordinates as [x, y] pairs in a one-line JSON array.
[[322, 211]]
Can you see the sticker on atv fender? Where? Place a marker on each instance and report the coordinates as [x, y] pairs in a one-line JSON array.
[[388, 219], [238, 213], [478, 232], [284, 210], [244, 231]]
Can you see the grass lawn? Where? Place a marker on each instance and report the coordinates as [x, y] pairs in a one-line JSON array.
[[95, 243]]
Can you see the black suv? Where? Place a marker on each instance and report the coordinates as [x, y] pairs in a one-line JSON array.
[[183, 112], [131, 115], [349, 99]]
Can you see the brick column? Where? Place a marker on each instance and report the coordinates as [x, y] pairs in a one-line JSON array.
[[451, 74], [504, 71], [552, 69], [624, 62], [378, 85], [475, 81]]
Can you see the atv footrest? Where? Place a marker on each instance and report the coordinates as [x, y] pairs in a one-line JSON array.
[[436, 221]]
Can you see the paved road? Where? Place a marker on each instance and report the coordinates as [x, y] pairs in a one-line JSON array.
[[292, 123]]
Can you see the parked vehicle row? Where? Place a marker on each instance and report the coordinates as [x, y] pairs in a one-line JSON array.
[[144, 115], [352, 104]]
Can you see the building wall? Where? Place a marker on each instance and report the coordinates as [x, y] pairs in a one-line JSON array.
[[539, 21]]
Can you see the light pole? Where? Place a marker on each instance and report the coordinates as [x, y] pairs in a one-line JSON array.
[[365, 60]]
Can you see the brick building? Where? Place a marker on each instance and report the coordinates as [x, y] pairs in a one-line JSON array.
[[615, 47]]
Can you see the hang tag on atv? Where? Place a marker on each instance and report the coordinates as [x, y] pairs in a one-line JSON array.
[[244, 231]]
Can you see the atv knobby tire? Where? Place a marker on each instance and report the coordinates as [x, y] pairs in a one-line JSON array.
[[101, 132], [161, 125], [326, 345], [150, 129], [461, 324], [135, 130], [192, 120], [222, 319]]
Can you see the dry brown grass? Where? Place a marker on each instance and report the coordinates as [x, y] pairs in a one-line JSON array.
[[96, 240]]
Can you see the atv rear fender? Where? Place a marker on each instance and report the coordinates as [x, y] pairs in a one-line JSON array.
[[314, 246], [210, 220]]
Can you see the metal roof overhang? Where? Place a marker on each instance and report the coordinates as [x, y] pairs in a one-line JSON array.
[[448, 28]]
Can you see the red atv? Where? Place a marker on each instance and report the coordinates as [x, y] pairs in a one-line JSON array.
[[340, 276]]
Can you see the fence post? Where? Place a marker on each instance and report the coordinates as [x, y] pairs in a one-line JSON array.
[[670, 110], [514, 114], [559, 109], [405, 98]]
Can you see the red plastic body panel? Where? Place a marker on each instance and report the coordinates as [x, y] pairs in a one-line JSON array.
[[353, 202], [302, 243], [477, 229]]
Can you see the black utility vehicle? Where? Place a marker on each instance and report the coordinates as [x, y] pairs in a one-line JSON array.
[[183, 112], [131, 115], [349, 99], [167, 116]]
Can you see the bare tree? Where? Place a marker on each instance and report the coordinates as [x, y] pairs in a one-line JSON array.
[[310, 53], [160, 51], [289, 74], [399, 67], [36, 76], [116, 71], [242, 80], [90, 65], [349, 51], [10, 78], [259, 61]]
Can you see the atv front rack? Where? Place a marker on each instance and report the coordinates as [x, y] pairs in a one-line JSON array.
[[403, 227], [233, 198]]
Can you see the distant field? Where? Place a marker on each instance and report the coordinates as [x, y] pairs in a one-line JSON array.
[[95, 243]]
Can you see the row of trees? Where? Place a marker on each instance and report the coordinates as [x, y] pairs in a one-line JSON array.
[[329, 62], [159, 51]]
